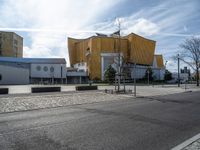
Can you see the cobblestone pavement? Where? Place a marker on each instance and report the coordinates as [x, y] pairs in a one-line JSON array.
[[194, 146], [17, 101], [21, 102]]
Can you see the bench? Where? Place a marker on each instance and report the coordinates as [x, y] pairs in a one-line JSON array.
[[45, 89], [3, 90], [84, 88]]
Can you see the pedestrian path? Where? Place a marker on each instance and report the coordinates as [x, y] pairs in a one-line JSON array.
[[190, 144]]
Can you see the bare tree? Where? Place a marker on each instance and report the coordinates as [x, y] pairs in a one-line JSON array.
[[191, 53]]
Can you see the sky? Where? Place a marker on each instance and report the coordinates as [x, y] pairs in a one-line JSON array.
[[46, 24]]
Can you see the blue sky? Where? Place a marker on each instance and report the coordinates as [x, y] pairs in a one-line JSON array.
[[46, 24]]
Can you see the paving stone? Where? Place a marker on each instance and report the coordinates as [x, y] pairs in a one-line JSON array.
[[28, 102]]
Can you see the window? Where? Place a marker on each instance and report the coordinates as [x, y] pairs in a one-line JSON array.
[[0, 46], [15, 42], [0, 77], [45, 68], [38, 68], [52, 69], [16, 51]]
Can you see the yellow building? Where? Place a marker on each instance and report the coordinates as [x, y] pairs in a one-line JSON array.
[[95, 53], [11, 44]]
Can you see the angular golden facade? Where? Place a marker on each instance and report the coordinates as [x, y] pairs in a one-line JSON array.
[[141, 50], [134, 48], [159, 60]]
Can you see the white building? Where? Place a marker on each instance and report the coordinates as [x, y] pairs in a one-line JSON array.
[[113, 60], [32, 70], [183, 77]]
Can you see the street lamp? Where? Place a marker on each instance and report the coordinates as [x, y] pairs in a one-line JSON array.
[[134, 79], [148, 76], [166, 64], [178, 70]]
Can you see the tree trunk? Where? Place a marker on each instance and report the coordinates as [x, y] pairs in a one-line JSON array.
[[197, 74]]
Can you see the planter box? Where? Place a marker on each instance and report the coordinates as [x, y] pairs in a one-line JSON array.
[[84, 88], [3, 90], [45, 89]]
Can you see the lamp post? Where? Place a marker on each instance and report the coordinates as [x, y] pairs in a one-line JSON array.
[[148, 76], [135, 79], [119, 54], [178, 70], [119, 63], [166, 64], [165, 73]]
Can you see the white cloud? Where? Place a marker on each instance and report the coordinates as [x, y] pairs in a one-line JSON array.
[[142, 26], [48, 22], [185, 28], [172, 64], [133, 23]]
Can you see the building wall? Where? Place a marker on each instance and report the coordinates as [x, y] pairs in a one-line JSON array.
[[140, 72], [103, 45], [141, 50], [159, 61], [46, 71], [11, 45], [183, 76], [14, 75], [135, 49], [14, 70], [18, 45]]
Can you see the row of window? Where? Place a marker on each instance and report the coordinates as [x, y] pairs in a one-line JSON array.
[[45, 68]]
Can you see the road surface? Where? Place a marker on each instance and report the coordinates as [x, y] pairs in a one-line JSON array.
[[154, 123]]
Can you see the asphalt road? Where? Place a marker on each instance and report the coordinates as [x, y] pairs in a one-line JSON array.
[[154, 123]]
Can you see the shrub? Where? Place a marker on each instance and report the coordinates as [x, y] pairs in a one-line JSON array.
[[110, 74]]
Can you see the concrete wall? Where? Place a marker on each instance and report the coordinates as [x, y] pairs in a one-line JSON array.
[[13, 75]]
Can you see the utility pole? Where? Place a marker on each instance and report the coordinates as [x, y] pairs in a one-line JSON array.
[[148, 76], [178, 71], [119, 54], [135, 79], [166, 64], [165, 73]]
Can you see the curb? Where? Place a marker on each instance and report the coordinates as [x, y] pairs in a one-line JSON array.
[[187, 142]]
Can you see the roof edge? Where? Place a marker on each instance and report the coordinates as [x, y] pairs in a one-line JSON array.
[[140, 36]]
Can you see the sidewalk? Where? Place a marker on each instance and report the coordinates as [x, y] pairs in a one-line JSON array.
[[143, 91], [190, 144], [193, 146], [146, 91]]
